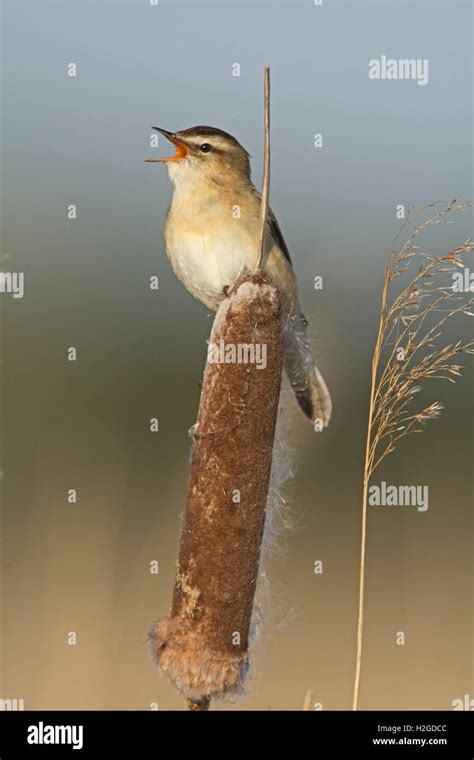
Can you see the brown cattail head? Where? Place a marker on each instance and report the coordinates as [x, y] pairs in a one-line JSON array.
[[203, 647]]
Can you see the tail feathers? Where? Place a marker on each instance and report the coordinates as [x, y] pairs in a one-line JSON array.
[[306, 380]]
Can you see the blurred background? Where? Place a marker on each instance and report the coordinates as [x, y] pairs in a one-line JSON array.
[[84, 425]]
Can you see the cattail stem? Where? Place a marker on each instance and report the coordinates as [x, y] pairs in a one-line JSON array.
[[266, 169], [203, 647], [199, 705]]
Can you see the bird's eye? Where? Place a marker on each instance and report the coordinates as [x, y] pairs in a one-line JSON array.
[[205, 148]]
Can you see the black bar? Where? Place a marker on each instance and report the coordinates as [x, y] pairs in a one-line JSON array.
[[323, 734]]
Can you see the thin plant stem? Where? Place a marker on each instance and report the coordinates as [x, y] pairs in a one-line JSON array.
[[412, 322], [266, 170], [363, 542]]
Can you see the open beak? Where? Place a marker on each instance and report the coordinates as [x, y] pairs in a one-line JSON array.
[[181, 149]]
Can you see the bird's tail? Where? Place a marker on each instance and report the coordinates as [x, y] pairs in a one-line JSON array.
[[306, 380]]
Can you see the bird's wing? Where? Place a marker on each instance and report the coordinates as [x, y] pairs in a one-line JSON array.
[[277, 235]]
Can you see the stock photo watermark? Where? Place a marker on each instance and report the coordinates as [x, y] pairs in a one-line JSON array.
[[237, 353], [47, 734], [11, 705], [12, 283], [384, 495], [463, 281], [416, 69]]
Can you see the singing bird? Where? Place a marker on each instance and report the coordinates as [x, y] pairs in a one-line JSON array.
[[212, 236]]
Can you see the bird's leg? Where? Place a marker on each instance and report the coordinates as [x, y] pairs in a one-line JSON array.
[[229, 289]]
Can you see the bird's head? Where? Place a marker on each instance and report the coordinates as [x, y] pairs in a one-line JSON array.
[[205, 154]]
